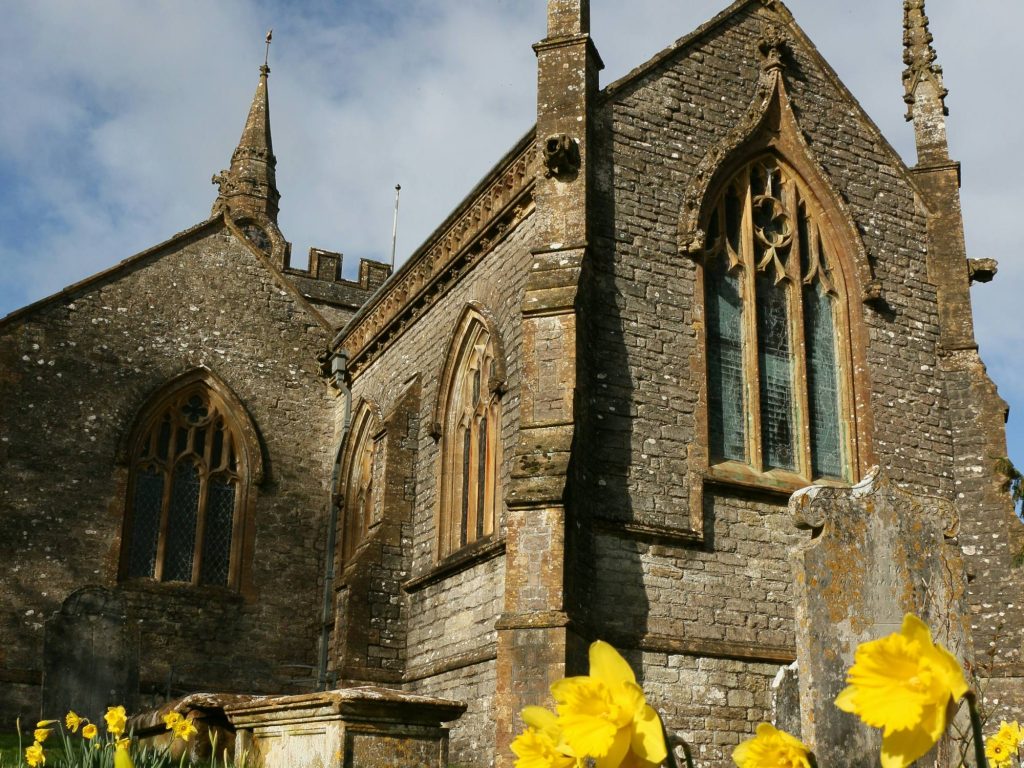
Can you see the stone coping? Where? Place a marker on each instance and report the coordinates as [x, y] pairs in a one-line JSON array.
[[363, 703]]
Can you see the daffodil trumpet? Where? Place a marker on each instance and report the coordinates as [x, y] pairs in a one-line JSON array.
[[904, 684]]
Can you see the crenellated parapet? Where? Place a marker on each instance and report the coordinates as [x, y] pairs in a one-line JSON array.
[[337, 298]]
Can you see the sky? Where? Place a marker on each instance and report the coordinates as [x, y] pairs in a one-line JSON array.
[[114, 114]]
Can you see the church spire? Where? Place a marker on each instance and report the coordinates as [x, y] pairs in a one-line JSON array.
[[922, 79], [249, 188]]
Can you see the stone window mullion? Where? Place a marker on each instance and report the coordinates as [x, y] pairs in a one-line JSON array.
[[180, 541], [751, 364], [794, 271], [779, 377]]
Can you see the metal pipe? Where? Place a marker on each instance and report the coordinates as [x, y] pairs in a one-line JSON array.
[[338, 365]]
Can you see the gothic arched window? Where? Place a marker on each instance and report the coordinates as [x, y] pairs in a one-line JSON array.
[[186, 490], [359, 488], [778, 397], [470, 438]]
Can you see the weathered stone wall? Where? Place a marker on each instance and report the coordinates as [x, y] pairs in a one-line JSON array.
[[712, 703], [450, 631], [74, 372], [729, 593], [472, 735], [735, 589], [991, 536]]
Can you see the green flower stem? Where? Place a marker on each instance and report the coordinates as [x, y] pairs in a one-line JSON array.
[[979, 738]]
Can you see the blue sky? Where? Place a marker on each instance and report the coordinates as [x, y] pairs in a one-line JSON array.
[[117, 113]]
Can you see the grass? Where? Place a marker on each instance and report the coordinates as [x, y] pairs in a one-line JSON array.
[[8, 749], [10, 754]]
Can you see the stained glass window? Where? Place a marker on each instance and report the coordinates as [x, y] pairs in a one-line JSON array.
[[184, 497], [470, 444], [775, 400]]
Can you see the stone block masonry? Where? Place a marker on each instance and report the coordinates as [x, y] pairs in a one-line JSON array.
[[76, 369]]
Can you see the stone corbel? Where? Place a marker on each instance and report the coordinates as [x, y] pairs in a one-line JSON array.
[[561, 156], [982, 270]]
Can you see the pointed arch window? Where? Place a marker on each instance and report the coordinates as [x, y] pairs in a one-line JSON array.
[[470, 439], [778, 389], [187, 490], [358, 510]]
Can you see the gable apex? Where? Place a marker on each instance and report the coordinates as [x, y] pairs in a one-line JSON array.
[[779, 15]]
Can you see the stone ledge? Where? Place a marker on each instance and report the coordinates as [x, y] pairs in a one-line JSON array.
[[362, 703], [479, 552]]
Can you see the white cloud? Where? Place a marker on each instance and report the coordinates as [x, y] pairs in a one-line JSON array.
[[116, 114]]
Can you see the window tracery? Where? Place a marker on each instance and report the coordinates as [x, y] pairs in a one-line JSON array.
[[470, 441], [186, 491], [778, 387]]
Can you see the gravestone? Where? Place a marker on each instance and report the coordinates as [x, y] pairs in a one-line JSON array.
[[878, 553], [90, 656], [362, 727]]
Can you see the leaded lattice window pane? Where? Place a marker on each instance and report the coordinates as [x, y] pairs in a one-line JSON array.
[[181, 533], [220, 512], [726, 429], [467, 445], [775, 367], [822, 383], [147, 503], [481, 474]]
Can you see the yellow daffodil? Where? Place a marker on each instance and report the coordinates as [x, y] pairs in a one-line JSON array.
[[116, 720], [123, 759], [89, 731], [40, 734], [171, 719], [537, 746], [1002, 747], [44, 723], [34, 755], [1011, 732], [72, 721], [184, 729], [999, 752], [771, 748], [122, 743], [603, 716], [903, 683]]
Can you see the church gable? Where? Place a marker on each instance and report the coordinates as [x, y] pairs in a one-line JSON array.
[[201, 330], [680, 124]]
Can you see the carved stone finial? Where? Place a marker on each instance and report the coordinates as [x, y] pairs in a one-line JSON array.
[[919, 56], [561, 155], [772, 45]]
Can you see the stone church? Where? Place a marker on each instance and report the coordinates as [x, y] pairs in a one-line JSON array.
[[577, 411]]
